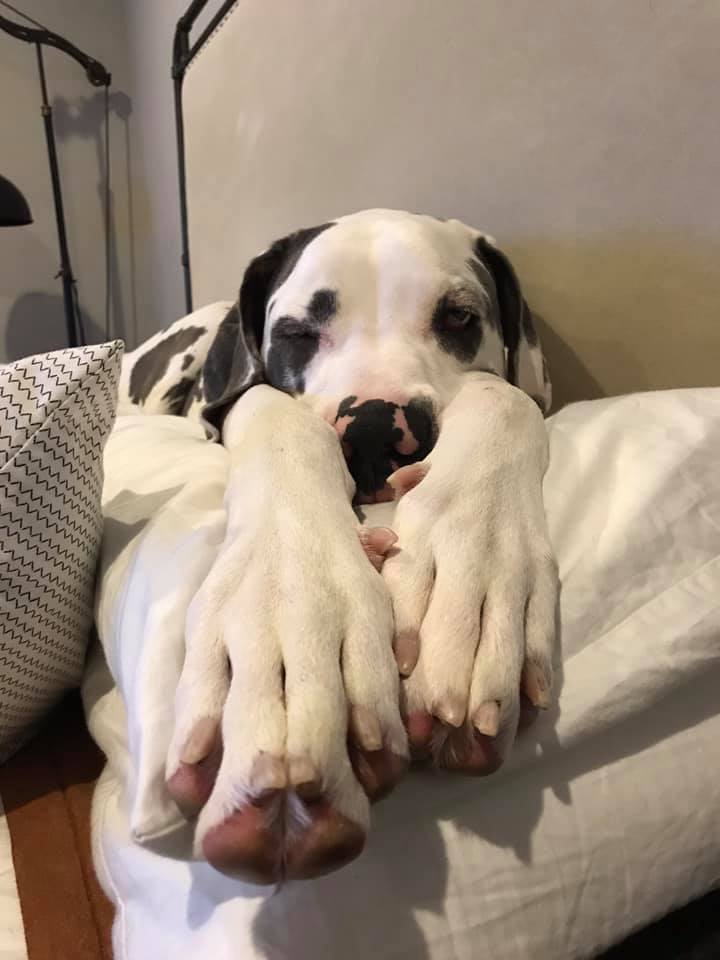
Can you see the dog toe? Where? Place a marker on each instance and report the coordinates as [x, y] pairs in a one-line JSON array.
[[378, 771], [247, 844], [328, 841], [191, 784]]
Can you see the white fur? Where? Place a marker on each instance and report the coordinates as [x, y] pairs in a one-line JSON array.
[[389, 269], [291, 588], [475, 556]]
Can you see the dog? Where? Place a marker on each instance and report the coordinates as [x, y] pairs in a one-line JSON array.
[[383, 356]]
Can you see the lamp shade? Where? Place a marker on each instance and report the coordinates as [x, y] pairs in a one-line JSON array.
[[14, 210]]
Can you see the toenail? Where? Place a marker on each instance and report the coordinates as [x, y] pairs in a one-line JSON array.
[[406, 478], [536, 686], [201, 741], [365, 727], [379, 539], [451, 711], [267, 776], [487, 718], [407, 648], [304, 778]]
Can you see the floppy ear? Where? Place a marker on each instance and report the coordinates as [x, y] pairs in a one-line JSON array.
[[234, 360], [525, 365]]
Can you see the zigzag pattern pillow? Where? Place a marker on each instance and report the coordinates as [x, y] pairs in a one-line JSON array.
[[56, 411]]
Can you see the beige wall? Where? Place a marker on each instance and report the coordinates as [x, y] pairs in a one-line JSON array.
[[31, 309], [583, 134]]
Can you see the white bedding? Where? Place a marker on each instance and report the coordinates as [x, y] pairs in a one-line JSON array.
[[604, 818], [12, 933]]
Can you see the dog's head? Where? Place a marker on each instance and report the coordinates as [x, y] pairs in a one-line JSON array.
[[373, 320]]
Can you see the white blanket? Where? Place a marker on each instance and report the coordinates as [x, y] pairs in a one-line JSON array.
[[604, 818], [12, 932]]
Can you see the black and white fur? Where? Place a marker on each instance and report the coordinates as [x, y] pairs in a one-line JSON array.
[[391, 338]]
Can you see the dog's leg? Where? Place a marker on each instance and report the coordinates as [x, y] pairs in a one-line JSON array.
[[474, 582], [287, 713]]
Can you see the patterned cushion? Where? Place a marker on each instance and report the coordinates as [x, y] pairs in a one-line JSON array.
[[56, 410]]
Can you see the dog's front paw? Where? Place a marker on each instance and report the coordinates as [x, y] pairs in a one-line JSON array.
[[474, 586], [287, 716]]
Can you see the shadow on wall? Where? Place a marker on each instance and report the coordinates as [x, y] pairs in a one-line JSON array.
[[623, 312], [561, 356], [84, 117], [36, 321], [36, 324]]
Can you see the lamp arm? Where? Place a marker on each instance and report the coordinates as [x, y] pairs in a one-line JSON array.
[[96, 72]]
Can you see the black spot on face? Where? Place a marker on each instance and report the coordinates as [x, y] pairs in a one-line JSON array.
[[322, 307], [177, 396], [292, 347], [458, 328], [187, 360], [292, 249], [152, 366], [295, 342], [234, 360]]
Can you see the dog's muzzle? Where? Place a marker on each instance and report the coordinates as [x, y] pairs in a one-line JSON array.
[[378, 437]]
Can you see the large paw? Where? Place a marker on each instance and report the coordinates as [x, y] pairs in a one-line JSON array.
[[287, 719], [474, 587]]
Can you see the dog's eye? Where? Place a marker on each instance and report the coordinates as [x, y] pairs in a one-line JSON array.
[[457, 318], [296, 331]]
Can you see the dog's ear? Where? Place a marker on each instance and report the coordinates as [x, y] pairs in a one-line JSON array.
[[234, 361], [525, 365]]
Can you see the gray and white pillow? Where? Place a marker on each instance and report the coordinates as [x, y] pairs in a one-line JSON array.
[[56, 410]]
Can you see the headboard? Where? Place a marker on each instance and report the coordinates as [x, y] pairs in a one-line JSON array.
[[583, 135]]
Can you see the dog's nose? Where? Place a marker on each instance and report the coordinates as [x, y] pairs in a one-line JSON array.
[[379, 437]]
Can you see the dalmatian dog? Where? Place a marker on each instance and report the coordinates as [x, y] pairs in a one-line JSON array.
[[384, 361]]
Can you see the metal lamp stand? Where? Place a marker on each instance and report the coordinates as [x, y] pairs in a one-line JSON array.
[[98, 77]]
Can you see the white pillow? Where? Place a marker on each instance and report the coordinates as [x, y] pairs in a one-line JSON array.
[[634, 512], [605, 816], [56, 410]]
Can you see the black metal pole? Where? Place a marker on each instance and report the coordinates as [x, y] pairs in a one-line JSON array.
[[65, 272], [184, 238], [181, 47]]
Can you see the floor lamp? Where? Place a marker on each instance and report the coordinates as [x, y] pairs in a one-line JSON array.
[[14, 209], [98, 77]]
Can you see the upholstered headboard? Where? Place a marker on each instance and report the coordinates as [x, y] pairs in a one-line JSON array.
[[583, 135]]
